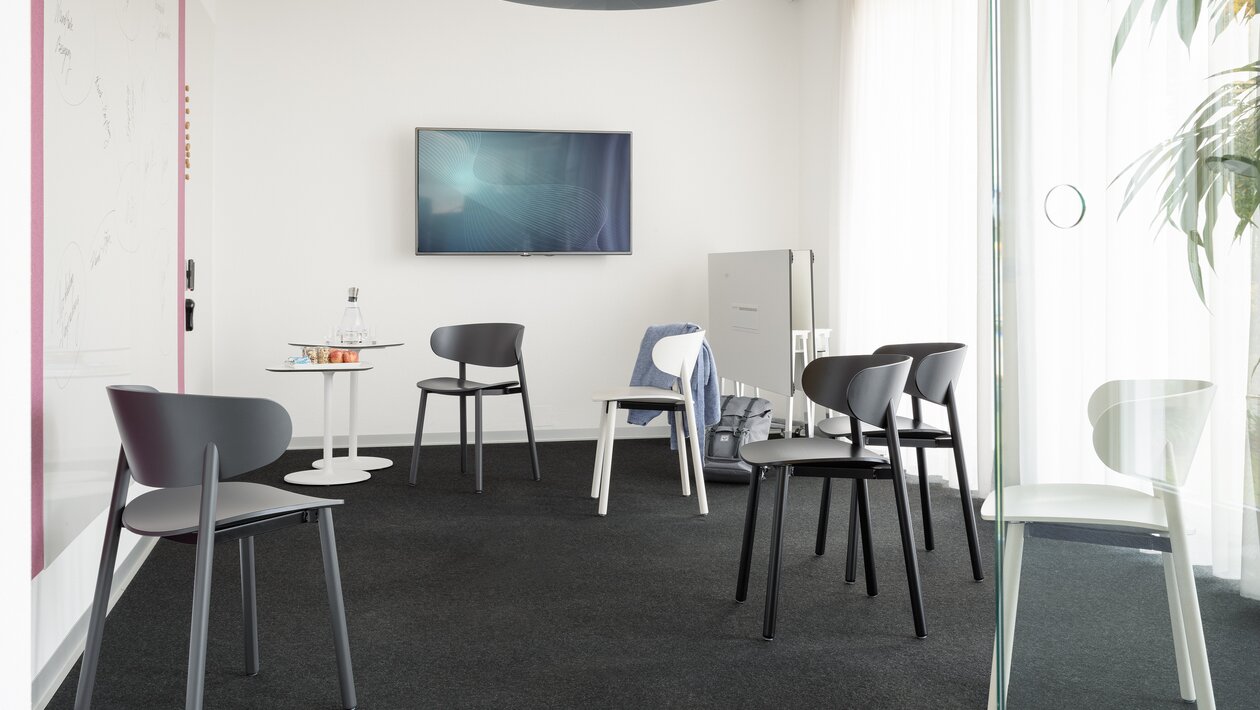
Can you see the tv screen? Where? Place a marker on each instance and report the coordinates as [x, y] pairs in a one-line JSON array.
[[522, 192]]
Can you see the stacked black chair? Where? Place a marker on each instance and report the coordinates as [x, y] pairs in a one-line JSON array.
[[186, 446], [933, 378], [866, 388], [484, 345]]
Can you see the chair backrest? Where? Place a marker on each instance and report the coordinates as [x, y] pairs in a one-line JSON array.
[[936, 366], [861, 386], [164, 435], [1138, 423], [483, 344], [676, 355]]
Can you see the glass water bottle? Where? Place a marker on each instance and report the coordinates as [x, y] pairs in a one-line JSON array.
[[352, 331]]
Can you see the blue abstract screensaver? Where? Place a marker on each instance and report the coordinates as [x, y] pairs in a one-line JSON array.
[[522, 192]]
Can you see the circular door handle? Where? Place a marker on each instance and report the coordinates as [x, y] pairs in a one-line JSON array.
[[1064, 206]]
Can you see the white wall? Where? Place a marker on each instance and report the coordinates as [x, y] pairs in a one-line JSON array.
[[820, 33], [15, 376], [316, 103]]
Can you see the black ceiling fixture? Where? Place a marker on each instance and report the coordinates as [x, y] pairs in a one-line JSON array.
[[609, 4]]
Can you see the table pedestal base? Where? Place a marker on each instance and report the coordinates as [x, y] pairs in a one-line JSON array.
[[335, 477], [361, 463]]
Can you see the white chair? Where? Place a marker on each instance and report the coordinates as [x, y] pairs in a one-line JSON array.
[[1143, 428], [674, 355]]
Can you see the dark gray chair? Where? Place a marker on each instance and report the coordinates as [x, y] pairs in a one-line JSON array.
[[484, 345], [933, 378], [186, 446], [866, 388]]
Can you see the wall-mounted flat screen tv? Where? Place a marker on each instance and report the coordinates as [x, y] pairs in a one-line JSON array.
[[522, 192]]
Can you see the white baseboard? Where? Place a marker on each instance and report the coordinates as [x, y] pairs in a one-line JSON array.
[[490, 437], [49, 679]]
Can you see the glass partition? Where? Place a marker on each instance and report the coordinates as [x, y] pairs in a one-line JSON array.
[[1127, 175]]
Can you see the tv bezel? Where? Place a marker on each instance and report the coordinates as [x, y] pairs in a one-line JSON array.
[[415, 156]]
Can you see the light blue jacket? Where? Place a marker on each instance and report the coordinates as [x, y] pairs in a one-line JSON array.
[[705, 388]]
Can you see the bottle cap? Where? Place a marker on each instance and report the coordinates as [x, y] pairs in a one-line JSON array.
[[354, 294]]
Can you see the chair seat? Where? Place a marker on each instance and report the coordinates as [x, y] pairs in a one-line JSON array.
[[907, 429], [454, 385], [809, 451], [634, 393], [168, 512], [1078, 503]]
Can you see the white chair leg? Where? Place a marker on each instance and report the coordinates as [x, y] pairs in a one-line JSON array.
[[697, 459], [1184, 677], [682, 454], [1187, 592], [598, 474], [610, 428], [1012, 561]]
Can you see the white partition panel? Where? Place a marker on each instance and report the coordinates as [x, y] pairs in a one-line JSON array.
[[750, 318]]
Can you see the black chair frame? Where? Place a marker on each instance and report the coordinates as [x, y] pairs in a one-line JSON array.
[[235, 435], [485, 345], [861, 468], [933, 378]]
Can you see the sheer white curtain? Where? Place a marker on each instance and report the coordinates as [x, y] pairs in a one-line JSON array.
[[1112, 298], [912, 261], [1109, 299]]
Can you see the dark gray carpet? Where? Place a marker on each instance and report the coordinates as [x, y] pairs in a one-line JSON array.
[[524, 598]]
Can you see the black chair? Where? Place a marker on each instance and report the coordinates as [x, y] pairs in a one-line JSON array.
[[186, 446], [867, 388], [933, 378], [484, 345]]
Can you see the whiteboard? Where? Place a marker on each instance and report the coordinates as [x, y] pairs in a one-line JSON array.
[[111, 171], [750, 318]]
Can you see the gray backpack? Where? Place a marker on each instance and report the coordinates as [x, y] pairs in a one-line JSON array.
[[744, 419]]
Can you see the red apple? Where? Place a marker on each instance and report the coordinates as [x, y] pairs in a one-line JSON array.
[[336, 356]]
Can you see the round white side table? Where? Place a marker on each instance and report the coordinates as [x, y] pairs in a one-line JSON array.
[[354, 460], [328, 475]]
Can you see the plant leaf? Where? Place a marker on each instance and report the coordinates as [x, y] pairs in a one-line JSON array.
[[1237, 164], [1187, 19], [1215, 190], [1196, 273], [1126, 25]]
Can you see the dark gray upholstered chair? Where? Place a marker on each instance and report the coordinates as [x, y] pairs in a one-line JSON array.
[[866, 388], [484, 345], [933, 378], [187, 446]]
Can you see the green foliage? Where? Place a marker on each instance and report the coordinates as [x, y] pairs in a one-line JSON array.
[[1216, 150], [1187, 15]]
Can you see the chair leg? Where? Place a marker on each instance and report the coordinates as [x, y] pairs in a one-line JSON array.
[[1185, 679], [964, 490], [868, 547], [477, 436], [1012, 562], [750, 531], [104, 583], [336, 604], [529, 431], [249, 605], [925, 499], [824, 513], [1187, 591], [415, 447], [776, 556], [463, 434], [908, 550], [682, 455], [598, 474], [697, 458], [850, 552], [610, 431], [199, 633]]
